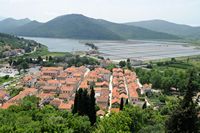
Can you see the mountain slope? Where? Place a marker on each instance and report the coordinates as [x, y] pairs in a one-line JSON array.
[[169, 27], [74, 26], [26, 28], [13, 42], [7, 25], [133, 32], [77, 26], [1, 18]]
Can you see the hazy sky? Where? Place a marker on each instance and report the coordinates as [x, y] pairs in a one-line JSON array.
[[180, 11]]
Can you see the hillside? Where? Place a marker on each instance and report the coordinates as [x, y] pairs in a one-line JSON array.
[[9, 24], [12, 41], [9, 42], [26, 28], [169, 27], [133, 32], [1, 18], [81, 27], [74, 26]]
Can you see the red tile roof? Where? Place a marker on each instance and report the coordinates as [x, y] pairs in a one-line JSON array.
[[67, 88]]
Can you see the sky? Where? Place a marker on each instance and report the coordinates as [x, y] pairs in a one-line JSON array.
[[178, 11]]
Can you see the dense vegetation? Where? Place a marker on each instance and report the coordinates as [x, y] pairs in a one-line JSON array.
[[9, 42], [79, 61], [165, 79], [85, 104], [29, 118], [173, 63], [15, 42], [185, 117], [55, 59], [125, 64], [174, 116], [5, 79], [81, 27]]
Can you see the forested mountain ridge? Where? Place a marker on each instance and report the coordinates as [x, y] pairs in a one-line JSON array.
[[180, 30], [9, 24], [77, 26]]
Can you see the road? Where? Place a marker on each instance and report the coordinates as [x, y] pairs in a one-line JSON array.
[[86, 73], [127, 92], [110, 95]]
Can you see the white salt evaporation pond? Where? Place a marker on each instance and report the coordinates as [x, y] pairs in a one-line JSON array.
[[121, 50], [145, 50]]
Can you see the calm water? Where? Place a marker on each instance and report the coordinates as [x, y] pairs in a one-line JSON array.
[[61, 45], [118, 50]]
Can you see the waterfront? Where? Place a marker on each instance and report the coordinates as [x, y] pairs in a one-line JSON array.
[[61, 45], [119, 50]]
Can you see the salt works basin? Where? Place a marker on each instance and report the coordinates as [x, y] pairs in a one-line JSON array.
[[145, 50], [121, 50]]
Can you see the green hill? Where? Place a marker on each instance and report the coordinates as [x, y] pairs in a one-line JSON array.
[[74, 26], [12, 42], [180, 30], [9, 24], [133, 32], [77, 26], [26, 28]]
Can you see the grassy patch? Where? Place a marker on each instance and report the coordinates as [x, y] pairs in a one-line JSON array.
[[5, 79], [57, 54]]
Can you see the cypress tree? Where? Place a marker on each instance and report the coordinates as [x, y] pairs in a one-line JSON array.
[[121, 104], [75, 107], [92, 114], [144, 105], [85, 103], [126, 102], [80, 91]]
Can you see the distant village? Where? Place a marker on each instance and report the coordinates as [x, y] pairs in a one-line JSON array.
[[57, 86]]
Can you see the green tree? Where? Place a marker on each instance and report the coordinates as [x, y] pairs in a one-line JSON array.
[[50, 58], [30, 103], [111, 66], [128, 64], [184, 118], [144, 106], [116, 123], [10, 61], [121, 104], [85, 104], [126, 102], [92, 114], [156, 79], [39, 59], [166, 84], [24, 65], [122, 64], [75, 106]]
